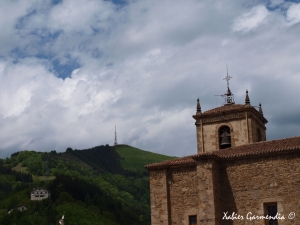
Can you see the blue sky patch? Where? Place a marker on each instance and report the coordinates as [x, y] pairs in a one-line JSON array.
[[55, 2], [119, 2], [64, 70]]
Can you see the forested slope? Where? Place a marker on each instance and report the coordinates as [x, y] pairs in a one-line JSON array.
[[88, 186]]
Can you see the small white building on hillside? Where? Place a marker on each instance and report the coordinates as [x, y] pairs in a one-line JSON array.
[[39, 194]]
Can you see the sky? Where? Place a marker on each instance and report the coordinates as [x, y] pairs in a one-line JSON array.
[[72, 70]]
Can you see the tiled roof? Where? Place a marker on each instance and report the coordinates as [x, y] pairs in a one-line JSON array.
[[258, 148], [188, 160], [226, 108]]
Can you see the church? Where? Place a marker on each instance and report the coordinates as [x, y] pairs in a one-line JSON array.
[[236, 177]]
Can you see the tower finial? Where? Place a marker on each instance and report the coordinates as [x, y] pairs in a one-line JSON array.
[[229, 99], [115, 136], [260, 109], [198, 108], [247, 99], [227, 78]]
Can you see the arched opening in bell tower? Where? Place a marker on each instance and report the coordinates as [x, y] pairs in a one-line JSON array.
[[224, 137]]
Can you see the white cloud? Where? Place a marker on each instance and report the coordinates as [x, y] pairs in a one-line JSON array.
[[10, 13], [80, 16], [252, 19], [141, 67], [293, 14]]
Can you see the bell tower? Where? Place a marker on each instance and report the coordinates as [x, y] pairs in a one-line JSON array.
[[229, 125]]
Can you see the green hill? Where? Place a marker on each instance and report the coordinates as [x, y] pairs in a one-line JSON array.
[[135, 159], [103, 184]]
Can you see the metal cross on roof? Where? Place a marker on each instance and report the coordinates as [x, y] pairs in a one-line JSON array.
[[227, 78], [228, 96]]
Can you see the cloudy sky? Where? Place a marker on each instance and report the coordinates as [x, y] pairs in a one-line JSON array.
[[70, 70]]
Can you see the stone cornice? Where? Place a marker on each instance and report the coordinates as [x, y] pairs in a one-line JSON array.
[[224, 113]]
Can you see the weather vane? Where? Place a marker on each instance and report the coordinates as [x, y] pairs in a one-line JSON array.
[[227, 78], [228, 96]]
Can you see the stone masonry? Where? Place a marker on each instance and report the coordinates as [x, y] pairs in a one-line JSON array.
[[243, 121], [209, 185], [235, 185]]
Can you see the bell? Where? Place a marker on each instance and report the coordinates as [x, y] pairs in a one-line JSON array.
[[225, 140]]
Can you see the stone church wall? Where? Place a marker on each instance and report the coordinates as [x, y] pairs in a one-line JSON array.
[[248, 184], [208, 186], [238, 186], [159, 197], [174, 194], [184, 198]]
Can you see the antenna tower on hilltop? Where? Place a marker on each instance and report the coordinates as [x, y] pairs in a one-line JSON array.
[[115, 136]]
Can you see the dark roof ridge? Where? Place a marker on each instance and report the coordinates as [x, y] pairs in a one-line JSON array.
[[228, 109], [254, 149], [186, 160], [278, 145]]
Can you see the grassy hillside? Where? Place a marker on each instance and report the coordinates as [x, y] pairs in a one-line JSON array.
[[135, 159], [23, 169], [101, 185]]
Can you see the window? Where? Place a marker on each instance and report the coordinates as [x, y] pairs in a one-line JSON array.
[[271, 210], [224, 137], [192, 220]]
